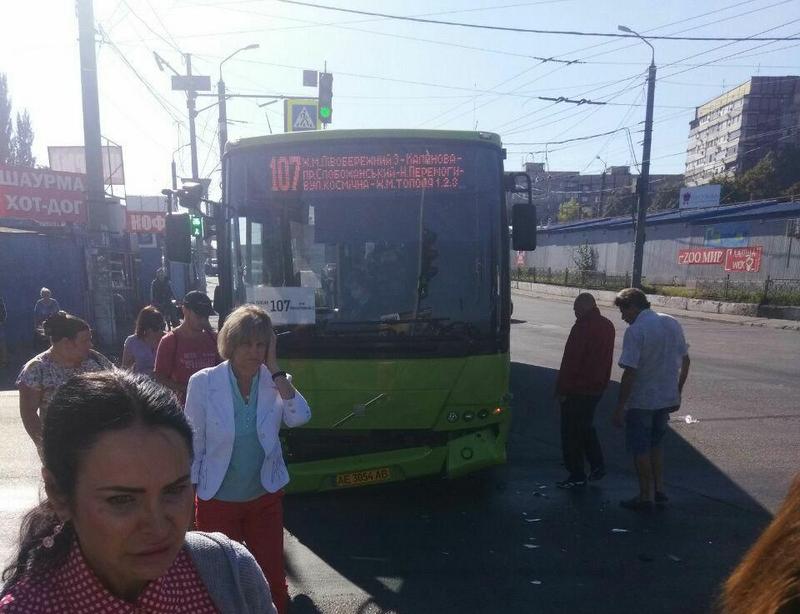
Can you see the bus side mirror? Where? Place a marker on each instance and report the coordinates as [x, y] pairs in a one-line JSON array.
[[523, 224]]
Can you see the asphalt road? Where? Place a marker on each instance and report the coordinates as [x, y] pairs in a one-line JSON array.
[[508, 541]]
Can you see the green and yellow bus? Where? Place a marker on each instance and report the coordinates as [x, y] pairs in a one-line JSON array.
[[383, 259]]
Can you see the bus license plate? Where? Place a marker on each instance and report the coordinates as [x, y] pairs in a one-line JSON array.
[[357, 478]]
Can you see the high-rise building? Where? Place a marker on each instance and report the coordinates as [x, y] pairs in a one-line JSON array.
[[732, 132]]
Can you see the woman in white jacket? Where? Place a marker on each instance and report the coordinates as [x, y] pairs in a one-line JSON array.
[[236, 410]]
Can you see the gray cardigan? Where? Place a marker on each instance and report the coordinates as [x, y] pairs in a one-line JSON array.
[[233, 578]]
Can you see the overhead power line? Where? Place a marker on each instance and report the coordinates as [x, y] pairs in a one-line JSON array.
[[570, 100], [577, 138], [530, 30]]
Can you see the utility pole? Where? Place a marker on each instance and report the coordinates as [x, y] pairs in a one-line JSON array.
[[644, 177], [644, 182], [224, 265], [602, 194], [100, 304], [95, 185], [191, 96]]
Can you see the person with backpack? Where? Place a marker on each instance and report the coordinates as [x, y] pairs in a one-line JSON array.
[[186, 349], [70, 353]]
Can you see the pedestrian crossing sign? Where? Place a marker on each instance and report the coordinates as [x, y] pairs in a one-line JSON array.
[[300, 114]]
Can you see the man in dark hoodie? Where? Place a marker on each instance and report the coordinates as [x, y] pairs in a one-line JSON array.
[[584, 375]]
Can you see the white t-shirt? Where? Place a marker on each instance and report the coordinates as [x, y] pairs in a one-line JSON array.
[[654, 345]]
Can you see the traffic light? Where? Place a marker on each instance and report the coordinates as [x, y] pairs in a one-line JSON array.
[[325, 97], [209, 228], [196, 226], [428, 256], [178, 240]]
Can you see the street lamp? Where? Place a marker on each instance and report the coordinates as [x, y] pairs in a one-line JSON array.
[[644, 176], [220, 215], [223, 115], [602, 187]]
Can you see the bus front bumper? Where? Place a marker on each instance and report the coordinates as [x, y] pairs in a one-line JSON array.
[[458, 457]]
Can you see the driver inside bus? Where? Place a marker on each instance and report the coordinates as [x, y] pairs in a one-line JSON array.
[[362, 301]]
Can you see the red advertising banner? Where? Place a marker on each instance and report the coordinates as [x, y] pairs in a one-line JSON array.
[[146, 222], [743, 259], [42, 195], [701, 255]]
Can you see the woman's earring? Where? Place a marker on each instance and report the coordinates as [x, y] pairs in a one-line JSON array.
[[50, 540]]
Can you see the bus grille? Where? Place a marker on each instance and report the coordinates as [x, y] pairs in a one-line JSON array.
[[306, 445]]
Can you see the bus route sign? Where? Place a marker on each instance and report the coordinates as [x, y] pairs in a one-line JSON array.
[[366, 172]]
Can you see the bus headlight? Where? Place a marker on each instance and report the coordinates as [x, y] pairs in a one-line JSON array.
[[468, 415], [452, 416]]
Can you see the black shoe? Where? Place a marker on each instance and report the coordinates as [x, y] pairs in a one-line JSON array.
[[571, 483], [661, 499], [597, 474], [637, 505]]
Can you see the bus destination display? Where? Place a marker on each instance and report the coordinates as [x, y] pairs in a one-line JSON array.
[[366, 173]]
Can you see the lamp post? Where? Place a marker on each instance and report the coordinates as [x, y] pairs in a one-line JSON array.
[[602, 187], [225, 273], [644, 176]]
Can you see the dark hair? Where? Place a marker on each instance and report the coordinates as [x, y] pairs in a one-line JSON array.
[[632, 297], [766, 579], [149, 318], [62, 325], [82, 410]]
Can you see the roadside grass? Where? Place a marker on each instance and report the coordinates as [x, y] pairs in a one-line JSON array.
[[772, 292]]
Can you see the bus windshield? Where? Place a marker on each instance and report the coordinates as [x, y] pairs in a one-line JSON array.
[[367, 239]]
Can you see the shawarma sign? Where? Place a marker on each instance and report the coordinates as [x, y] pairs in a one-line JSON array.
[[42, 195]]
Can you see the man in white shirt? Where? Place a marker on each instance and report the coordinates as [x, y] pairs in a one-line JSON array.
[[655, 360]]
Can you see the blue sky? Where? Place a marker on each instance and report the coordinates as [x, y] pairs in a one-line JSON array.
[[393, 74]]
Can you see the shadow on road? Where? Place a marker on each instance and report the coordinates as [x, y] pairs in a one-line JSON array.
[[507, 541]]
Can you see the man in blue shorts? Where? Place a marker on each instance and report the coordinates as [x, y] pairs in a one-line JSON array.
[[655, 363]]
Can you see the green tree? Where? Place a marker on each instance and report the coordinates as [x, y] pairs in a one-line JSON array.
[[585, 257], [22, 142], [665, 198], [620, 203], [6, 130], [569, 211], [776, 174]]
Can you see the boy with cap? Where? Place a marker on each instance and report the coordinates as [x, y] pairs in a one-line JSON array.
[[189, 347]]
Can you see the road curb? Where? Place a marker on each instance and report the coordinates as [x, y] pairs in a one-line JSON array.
[[708, 311]]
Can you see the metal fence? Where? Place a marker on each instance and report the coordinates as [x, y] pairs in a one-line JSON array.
[[596, 280], [767, 292]]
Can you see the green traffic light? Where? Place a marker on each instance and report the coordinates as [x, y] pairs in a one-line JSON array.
[[325, 112]]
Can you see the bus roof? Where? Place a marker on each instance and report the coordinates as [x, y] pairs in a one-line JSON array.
[[316, 136]]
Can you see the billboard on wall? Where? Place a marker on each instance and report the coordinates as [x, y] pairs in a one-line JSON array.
[[734, 260], [72, 159], [145, 222], [700, 196], [42, 195], [744, 259], [701, 255]]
